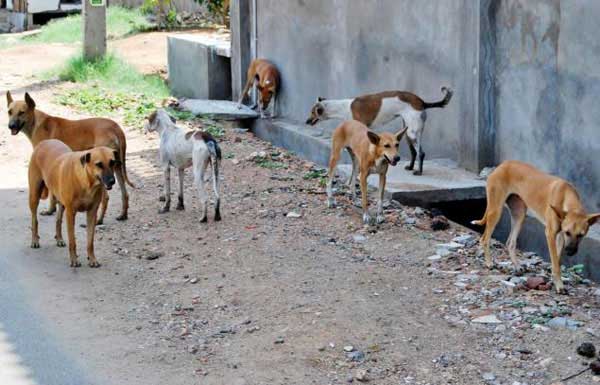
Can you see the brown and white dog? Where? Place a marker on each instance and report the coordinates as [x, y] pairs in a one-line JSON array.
[[371, 153], [77, 180], [79, 135], [379, 109], [266, 77], [553, 201]]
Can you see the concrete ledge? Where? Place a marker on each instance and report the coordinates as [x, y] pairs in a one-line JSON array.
[[218, 109], [199, 67], [442, 181]]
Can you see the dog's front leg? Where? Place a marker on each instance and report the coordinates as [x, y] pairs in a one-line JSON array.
[[60, 242], [91, 229], [247, 87], [551, 238], [167, 206], [413, 154], [420, 153], [181, 174], [364, 199], [51, 206], [274, 107], [103, 207], [70, 213], [380, 216]]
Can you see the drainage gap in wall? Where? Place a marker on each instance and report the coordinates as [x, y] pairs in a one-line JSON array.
[[463, 212]]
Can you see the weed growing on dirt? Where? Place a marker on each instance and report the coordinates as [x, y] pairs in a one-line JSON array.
[[270, 164], [320, 174], [110, 86], [120, 22]]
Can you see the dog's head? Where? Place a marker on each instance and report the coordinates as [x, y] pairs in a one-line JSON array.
[[156, 119], [20, 113], [317, 112], [267, 90], [387, 146], [100, 163], [574, 226]]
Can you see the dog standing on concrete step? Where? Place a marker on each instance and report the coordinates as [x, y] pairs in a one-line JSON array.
[[379, 109], [553, 201], [78, 181], [79, 135], [181, 150], [266, 77], [371, 153]]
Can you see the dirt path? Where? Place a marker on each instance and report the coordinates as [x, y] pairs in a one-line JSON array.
[[266, 297]]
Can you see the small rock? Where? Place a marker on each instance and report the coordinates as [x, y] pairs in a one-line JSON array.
[[488, 376], [293, 214], [410, 221], [564, 322], [279, 341], [467, 239], [153, 255], [587, 349], [356, 356], [595, 366], [194, 280], [452, 246], [348, 348], [487, 319], [435, 257], [439, 222], [358, 238], [361, 375], [534, 283]]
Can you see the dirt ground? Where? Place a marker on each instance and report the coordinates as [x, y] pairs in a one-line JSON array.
[[284, 290]]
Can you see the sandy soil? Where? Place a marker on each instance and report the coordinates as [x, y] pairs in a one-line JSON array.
[[265, 297]]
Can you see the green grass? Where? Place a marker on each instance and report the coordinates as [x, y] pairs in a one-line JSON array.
[[111, 87], [120, 22]]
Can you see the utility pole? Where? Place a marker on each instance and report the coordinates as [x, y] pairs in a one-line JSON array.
[[94, 29]]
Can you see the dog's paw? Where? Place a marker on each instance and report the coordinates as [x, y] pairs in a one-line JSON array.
[[180, 207], [94, 264], [162, 198], [47, 212], [75, 263], [417, 172], [560, 288], [122, 217], [204, 220], [164, 210], [60, 243], [409, 167], [35, 244]]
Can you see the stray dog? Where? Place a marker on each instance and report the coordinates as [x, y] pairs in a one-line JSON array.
[[77, 181], [182, 150], [79, 135], [379, 109], [371, 153], [553, 201], [266, 77]]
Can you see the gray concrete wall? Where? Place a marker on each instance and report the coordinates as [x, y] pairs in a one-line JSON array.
[[344, 48], [548, 88]]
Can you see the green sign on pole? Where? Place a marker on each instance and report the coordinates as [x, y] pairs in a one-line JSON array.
[[97, 3]]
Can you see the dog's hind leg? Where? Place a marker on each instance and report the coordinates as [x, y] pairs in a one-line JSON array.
[[413, 154], [60, 242], [124, 195], [518, 211], [181, 174], [103, 207], [36, 185], [493, 212], [200, 164], [216, 183], [333, 160], [420, 153], [382, 179], [51, 206], [167, 206], [352, 179]]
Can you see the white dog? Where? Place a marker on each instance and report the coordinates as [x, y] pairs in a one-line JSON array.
[[181, 150]]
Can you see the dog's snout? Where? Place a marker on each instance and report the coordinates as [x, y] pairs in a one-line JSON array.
[[12, 125], [396, 159], [109, 181], [571, 250]]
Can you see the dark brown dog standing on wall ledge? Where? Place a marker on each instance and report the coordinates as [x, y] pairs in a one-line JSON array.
[[266, 76], [553, 201], [79, 135], [379, 109], [77, 180]]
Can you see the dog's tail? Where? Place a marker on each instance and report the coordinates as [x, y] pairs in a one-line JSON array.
[[480, 222], [123, 155], [442, 103]]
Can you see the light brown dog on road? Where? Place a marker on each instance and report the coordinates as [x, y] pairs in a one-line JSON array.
[[553, 201], [77, 180], [371, 153], [79, 135]]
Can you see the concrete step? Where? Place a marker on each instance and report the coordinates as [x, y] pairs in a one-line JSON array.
[[218, 109], [442, 180]]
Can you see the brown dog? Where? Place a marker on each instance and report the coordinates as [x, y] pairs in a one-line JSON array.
[[554, 201], [371, 153], [79, 135], [266, 77], [77, 180]]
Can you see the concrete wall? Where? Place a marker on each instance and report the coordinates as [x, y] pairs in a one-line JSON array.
[[548, 88], [344, 48]]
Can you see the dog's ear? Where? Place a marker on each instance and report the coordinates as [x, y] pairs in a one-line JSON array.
[[152, 117], [320, 99], [117, 159], [560, 213], [400, 134], [9, 99], [85, 158], [593, 218], [320, 109], [29, 100], [373, 137]]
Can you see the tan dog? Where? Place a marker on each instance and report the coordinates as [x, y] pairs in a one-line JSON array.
[[371, 153], [266, 77], [79, 135], [77, 180], [554, 201]]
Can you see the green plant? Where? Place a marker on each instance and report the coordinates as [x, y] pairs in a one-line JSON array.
[[271, 165]]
